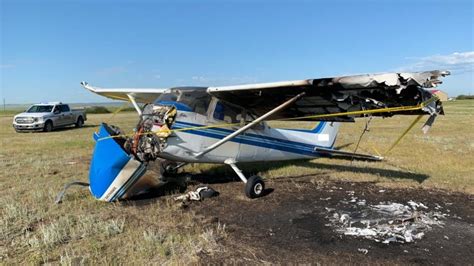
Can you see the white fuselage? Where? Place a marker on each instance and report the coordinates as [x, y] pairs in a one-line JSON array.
[[261, 143]]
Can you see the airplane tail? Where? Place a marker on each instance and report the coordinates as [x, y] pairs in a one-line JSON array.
[[326, 133], [323, 135]]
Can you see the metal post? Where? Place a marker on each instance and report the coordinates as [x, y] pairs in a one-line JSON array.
[[248, 126]]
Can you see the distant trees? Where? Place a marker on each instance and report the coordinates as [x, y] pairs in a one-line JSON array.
[[465, 97], [97, 110], [107, 110]]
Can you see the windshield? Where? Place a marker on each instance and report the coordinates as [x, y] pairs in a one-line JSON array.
[[40, 109], [189, 100]]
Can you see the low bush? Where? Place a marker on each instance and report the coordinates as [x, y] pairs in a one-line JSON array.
[[97, 110]]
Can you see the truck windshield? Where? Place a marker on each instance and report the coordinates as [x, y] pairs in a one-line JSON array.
[[40, 109]]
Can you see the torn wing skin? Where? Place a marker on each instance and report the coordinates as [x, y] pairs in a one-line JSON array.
[[141, 95], [338, 94]]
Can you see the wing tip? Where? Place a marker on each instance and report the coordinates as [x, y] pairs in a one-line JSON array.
[[87, 86]]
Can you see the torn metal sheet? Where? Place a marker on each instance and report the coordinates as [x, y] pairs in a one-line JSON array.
[[385, 222], [338, 95], [197, 195]]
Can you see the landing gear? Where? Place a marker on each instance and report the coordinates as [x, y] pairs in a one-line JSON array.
[[169, 174], [168, 168], [254, 186]]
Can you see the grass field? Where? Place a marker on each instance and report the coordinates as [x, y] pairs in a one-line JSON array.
[[35, 166]]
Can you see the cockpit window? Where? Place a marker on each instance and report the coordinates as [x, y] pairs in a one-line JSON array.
[[190, 100], [168, 97], [227, 113]]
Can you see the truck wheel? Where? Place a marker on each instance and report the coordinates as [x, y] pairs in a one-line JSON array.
[[48, 126], [80, 122]]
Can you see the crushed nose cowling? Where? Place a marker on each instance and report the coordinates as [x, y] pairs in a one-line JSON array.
[[119, 162], [113, 171]]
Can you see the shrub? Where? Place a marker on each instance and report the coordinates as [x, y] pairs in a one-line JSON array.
[[465, 97], [97, 110]]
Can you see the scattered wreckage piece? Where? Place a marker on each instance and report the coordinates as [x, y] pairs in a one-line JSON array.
[[386, 222], [197, 195], [363, 250]]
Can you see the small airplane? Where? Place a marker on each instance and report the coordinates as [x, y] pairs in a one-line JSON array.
[[227, 124]]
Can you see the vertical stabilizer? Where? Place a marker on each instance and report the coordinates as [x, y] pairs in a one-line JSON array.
[[327, 134]]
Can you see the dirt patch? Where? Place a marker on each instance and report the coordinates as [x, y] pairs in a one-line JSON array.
[[289, 224]]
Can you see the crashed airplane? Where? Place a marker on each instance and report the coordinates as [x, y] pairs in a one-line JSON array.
[[227, 124]]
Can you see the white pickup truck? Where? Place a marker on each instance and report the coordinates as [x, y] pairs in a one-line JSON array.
[[47, 117]]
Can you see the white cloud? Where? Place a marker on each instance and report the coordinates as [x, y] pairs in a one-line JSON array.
[[200, 79], [458, 62]]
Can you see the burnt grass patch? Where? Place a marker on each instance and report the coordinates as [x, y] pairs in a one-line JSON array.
[[290, 224]]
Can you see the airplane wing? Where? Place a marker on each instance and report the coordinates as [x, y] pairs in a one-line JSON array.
[[148, 95], [337, 94]]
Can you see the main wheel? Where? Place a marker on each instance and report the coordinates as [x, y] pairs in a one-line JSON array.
[[48, 127], [254, 187], [80, 122]]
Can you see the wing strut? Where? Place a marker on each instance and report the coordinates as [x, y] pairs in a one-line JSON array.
[[132, 99], [253, 123]]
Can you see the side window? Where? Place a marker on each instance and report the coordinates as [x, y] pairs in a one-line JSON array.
[[227, 113], [201, 104], [64, 108], [57, 108]]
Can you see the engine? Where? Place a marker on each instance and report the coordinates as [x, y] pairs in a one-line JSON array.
[[151, 132]]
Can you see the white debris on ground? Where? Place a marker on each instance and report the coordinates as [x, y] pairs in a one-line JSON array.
[[363, 250], [199, 194], [385, 222]]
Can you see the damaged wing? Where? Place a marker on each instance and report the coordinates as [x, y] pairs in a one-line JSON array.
[[338, 95], [147, 95]]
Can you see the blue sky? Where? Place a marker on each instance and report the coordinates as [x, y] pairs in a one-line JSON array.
[[48, 47]]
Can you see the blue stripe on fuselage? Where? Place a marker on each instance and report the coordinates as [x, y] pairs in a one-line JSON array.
[[251, 139]]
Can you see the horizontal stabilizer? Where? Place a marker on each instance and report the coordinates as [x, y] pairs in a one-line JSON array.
[[349, 154]]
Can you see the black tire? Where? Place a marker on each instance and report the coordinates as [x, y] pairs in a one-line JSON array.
[[48, 126], [168, 167], [254, 187], [80, 122]]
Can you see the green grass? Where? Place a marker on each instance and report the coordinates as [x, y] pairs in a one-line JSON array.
[[35, 166]]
